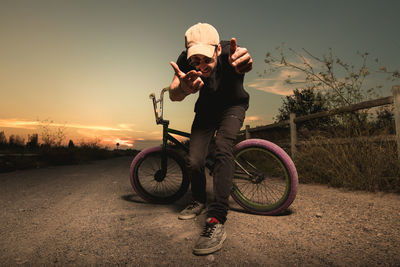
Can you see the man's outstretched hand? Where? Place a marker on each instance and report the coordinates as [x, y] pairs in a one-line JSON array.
[[190, 82], [239, 58]]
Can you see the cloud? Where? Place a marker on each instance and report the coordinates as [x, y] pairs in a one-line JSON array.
[[277, 83], [16, 123], [271, 86], [88, 127], [26, 124], [285, 73], [126, 125], [252, 118], [129, 127]]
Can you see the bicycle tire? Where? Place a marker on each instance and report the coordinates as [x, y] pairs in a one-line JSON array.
[[272, 184], [145, 169]]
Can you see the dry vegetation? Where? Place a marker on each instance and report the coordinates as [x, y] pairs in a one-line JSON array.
[[358, 164]]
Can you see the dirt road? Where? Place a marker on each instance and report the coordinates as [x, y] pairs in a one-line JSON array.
[[89, 215]]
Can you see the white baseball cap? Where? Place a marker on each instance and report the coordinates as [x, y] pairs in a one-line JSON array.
[[201, 39]]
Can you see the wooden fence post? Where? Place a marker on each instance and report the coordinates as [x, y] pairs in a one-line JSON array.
[[247, 132], [396, 104], [293, 134]]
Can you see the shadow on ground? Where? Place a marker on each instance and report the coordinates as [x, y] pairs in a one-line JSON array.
[[180, 204]]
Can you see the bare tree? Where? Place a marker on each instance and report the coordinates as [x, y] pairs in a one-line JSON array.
[[50, 135], [341, 82]]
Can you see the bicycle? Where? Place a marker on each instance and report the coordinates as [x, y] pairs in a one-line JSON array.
[[265, 179]]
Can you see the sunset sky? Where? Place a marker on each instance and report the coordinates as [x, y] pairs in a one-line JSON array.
[[89, 65]]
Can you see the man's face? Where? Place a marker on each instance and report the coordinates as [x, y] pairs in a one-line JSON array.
[[205, 64]]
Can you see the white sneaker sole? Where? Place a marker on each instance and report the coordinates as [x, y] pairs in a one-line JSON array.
[[191, 216]]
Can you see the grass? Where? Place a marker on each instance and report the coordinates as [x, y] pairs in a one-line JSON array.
[[359, 164]]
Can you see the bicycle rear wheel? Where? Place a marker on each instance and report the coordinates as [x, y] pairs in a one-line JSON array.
[[265, 180], [149, 182]]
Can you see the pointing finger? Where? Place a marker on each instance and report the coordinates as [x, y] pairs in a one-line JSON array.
[[178, 72], [233, 46]]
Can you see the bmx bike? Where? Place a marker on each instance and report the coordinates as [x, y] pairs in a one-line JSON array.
[[264, 182]]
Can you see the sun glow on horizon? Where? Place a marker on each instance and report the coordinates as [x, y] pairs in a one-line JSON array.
[[123, 134], [26, 124], [121, 142]]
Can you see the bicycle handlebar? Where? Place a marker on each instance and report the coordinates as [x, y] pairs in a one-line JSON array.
[[158, 112]]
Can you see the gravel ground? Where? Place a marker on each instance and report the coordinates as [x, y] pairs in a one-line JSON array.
[[89, 215]]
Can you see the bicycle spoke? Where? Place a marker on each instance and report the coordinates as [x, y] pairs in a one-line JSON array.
[[260, 178], [241, 167], [170, 183]]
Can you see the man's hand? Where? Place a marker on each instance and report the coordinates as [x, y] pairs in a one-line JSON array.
[[239, 58], [190, 82]]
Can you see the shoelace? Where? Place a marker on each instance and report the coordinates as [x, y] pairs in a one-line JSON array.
[[194, 205], [208, 229]]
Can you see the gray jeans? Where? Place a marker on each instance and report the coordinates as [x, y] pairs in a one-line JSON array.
[[225, 126]]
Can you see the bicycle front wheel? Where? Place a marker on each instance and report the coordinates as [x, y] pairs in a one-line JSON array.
[[152, 183], [265, 180]]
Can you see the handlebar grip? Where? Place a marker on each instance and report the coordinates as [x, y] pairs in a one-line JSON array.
[[152, 95], [165, 89]]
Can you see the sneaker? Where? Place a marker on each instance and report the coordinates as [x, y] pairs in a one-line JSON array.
[[211, 239], [192, 210]]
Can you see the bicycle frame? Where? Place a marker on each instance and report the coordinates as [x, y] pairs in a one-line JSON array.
[[158, 112]]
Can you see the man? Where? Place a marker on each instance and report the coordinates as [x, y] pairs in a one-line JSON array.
[[215, 69]]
